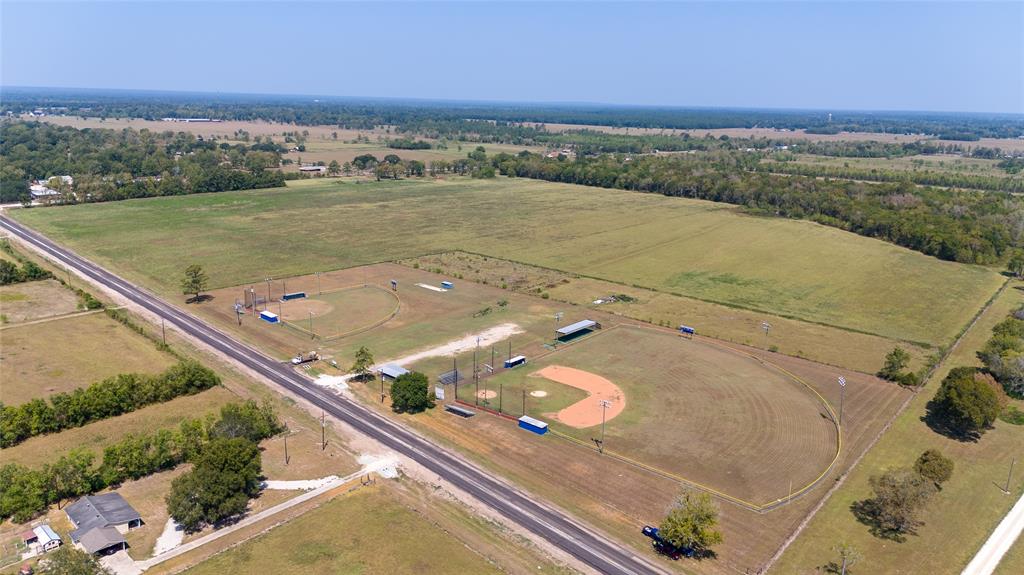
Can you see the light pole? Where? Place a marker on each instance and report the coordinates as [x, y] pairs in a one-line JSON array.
[[766, 327], [318, 292], [842, 393], [267, 303], [605, 404], [311, 334]]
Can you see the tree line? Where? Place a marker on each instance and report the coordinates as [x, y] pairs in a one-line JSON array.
[[26, 492], [962, 226], [113, 396], [923, 178], [11, 272], [109, 165]]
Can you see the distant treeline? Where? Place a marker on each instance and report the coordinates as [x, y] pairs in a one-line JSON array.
[[444, 116], [109, 398], [962, 226], [114, 165], [922, 177]]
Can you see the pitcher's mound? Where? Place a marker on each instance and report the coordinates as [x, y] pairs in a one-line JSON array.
[[486, 394]]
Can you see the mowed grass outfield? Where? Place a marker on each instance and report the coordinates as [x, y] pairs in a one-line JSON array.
[[696, 248], [39, 359], [707, 413]]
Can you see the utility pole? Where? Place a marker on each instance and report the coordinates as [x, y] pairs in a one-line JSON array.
[[382, 387], [238, 314], [500, 390], [323, 431], [1009, 475], [318, 291], [524, 401], [605, 404], [267, 303], [311, 334], [510, 348], [492, 359], [286, 447], [842, 393], [476, 381]]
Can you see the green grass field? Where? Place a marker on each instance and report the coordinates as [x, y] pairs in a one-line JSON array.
[[957, 520], [365, 532], [696, 248]]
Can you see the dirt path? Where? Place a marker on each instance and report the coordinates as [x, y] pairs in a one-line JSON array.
[[991, 553], [586, 412], [485, 338]]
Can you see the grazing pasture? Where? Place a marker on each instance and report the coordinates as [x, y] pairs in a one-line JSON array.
[[31, 301], [378, 534], [39, 359], [694, 248]]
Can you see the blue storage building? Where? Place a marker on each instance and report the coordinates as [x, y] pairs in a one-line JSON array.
[[535, 425], [269, 316]]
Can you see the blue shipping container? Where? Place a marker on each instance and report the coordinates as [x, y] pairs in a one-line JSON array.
[[294, 295]]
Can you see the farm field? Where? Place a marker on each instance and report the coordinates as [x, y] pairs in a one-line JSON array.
[[31, 366], [380, 533], [821, 343], [689, 247], [947, 539]]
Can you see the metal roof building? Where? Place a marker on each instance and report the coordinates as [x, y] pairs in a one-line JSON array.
[[577, 327], [392, 371]]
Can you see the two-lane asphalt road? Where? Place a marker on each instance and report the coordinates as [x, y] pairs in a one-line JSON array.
[[599, 552]]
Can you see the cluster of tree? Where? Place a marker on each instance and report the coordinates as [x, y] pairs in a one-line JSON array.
[[896, 362], [967, 403], [924, 178], [411, 393], [1012, 165], [224, 476], [113, 396], [11, 272], [901, 494], [26, 492], [963, 226], [111, 165], [1003, 353], [409, 144], [691, 523], [448, 118]]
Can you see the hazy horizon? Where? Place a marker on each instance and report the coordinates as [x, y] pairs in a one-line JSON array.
[[928, 57]]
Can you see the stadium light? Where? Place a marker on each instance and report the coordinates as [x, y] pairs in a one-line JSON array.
[[766, 327], [842, 392]]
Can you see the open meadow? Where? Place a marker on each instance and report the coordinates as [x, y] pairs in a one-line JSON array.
[[694, 248], [91, 347]]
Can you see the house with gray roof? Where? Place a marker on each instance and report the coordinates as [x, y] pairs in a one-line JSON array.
[[101, 521]]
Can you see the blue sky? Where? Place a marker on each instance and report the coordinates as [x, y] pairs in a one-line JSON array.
[[894, 56]]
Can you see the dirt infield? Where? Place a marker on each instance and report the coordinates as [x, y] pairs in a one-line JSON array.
[[585, 413], [486, 394]]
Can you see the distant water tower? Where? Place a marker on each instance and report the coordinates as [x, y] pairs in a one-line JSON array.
[[830, 117]]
